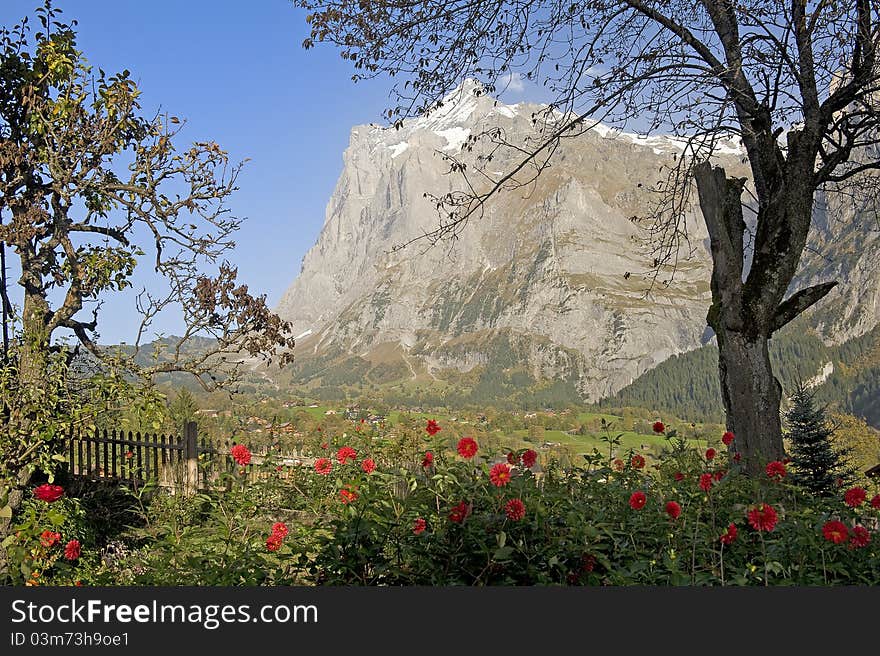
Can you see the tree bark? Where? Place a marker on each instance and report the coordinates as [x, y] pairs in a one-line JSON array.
[[749, 391], [751, 396], [745, 314]]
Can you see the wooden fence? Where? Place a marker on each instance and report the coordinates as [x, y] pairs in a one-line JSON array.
[[185, 463]]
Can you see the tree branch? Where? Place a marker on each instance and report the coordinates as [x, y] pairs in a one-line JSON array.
[[798, 303]]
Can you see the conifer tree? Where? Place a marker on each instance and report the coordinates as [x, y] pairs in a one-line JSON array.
[[816, 464]]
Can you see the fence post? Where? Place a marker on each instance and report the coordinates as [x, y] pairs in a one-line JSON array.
[[191, 454]]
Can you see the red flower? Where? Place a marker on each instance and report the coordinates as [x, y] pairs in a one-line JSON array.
[[855, 497], [776, 470], [500, 474], [875, 501], [511, 458], [241, 454], [861, 537], [273, 542], [428, 460], [459, 512], [617, 464], [705, 482], [737, 456], [348, 495], [729, 535], [763, 517], [467, 447], [432, 428], [280, 528], [345, 454], [323, 466], [49, 538], [529, 458], [678, 476], [419, 526], [515, 509], [129, 455], [835, 531], [72, 550], [710, 453], [637, 500], [673, 509], [368, 466], [727, 438], [719, 475], [658, 427], [637, 462], [588, 562], [48, 493]]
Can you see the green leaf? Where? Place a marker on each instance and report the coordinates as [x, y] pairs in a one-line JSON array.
[[502, 553]]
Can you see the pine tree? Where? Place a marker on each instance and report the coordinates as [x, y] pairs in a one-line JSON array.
[[816, 464]]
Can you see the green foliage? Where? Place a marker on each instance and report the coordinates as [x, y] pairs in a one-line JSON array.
[[817, 465], [686, 385]]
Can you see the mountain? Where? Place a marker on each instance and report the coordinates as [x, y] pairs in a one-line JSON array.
[[549, 288]]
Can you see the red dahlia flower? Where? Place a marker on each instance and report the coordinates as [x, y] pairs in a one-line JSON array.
[[729, 535], [875, 501], [617, 464], [637, 462], [323, 466], [637, 500], [673, 509], [432, 428], [678, 476], [658, 427], [763, 517], [280, 528], [855, 497], [705, 482], [467, 447], [348, 495], [529, 458], [48, 493], [861, 537], [49, 538], [428, 460], [835, 531], [345, 454], [500, 474], [459, 512], [710, 453], [419, 526], [776, 470], [737, 456], [72, 550], [719, 475], [241, 454], [368, 466], [727, 438], [515, 509], [273, 542], [511, 458]]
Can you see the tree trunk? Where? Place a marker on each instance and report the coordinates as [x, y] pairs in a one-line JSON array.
[[751, 396], [33, 363]]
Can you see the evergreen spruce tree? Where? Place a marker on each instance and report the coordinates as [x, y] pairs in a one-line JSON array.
[[816, 464]]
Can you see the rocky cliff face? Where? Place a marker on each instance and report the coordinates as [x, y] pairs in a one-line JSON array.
[[553, 271]]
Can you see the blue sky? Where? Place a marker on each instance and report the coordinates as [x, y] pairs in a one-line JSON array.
[[239, 75]]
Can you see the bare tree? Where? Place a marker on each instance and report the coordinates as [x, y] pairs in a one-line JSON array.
[[795, 81], [87, 187]]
